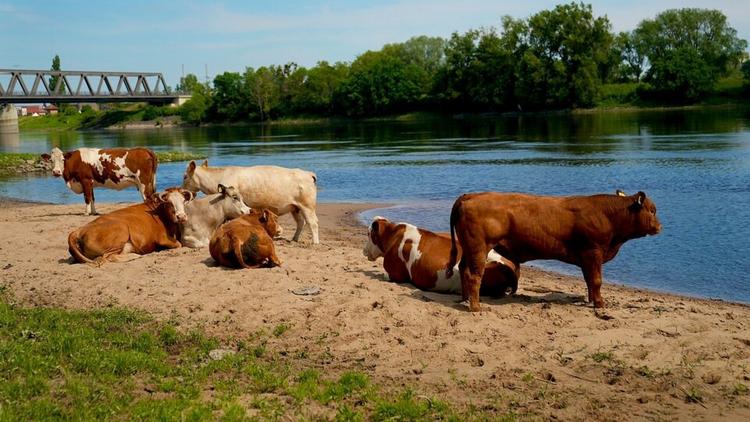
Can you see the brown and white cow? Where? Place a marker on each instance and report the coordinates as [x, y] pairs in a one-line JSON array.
[[586, 231], [207, 213], [247, 241], [419, 256], [115, 168], [281, 190], [131, 231]]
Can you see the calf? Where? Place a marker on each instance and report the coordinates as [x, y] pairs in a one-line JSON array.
[[411, 254], [207, 213], [278, 189], [114, 168], [135, 230], [247, 241], [586, 231]]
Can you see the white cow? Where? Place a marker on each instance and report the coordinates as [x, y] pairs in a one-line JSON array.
[[205, 214], [281, 190]]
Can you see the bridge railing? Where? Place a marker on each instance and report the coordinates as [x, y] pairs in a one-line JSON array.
[[29, 86]]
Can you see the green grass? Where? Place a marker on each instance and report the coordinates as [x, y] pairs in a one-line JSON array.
[[9, 161], [170, 156], [71, 119], [121, 364]]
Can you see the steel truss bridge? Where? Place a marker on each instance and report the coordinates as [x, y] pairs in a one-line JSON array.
[[49, 86]]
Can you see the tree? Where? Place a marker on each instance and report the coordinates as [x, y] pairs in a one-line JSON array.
[[230, 101], [688, 50], [379, 83], [188, 84], [196, 109], [564, 50], [262, 90], [630, 53], [54, 80]]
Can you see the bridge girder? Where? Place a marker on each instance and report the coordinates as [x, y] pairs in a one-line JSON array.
[[110, 87]]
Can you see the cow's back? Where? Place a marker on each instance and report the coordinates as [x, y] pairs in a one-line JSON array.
[[276, 188], [141, 224]]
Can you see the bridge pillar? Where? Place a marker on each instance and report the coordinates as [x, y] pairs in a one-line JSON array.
[[180, 100], [8, 119]]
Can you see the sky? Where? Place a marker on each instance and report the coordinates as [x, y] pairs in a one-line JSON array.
[[169, 36]]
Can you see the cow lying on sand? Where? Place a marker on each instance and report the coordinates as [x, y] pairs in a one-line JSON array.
[[207, 213], [278, 189], [114, 168], [420, 256], [247, 241], [586, 231], [136, 230]]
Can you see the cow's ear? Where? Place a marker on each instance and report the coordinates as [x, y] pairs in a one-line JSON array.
[[222, 189], [205, 163], [46, 157], [377, 230], [264, 216], [188, 195], [191, 167], [163, 196], [640, 198]]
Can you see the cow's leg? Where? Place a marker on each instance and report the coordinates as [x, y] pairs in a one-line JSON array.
[[474, 273], [169, 243], [88, 196], [297, 214], [592, 273], [312, 220], [274, 259]]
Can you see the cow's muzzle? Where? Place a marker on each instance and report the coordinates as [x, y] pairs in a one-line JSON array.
[[56, 173]]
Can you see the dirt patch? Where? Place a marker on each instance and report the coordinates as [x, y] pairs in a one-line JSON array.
[[542, 353]]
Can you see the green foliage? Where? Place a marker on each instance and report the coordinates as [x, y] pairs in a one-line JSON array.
[[54, 80], [171, 156], [195, 110], [10, 161], [688, 50]]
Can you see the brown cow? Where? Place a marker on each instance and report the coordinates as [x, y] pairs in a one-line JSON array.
[[419, 256], [247, 241], [114, 168], [134, 230], [586, 231]]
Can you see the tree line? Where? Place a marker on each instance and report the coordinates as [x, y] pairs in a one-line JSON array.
[[554, 59]]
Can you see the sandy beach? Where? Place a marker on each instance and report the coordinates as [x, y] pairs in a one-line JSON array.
[[543, 352]]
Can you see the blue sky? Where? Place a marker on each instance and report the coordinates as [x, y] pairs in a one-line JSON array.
[[163, 36]]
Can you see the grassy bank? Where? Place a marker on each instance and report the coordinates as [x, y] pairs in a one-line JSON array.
[[121, 364]]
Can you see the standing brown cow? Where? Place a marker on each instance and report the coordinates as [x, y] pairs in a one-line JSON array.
[[586, 231]]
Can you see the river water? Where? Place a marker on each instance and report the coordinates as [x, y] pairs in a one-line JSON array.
[[695, 164]]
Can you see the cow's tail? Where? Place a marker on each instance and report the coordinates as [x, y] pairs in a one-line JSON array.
[[74, 246], [154, 165], [455, 215]]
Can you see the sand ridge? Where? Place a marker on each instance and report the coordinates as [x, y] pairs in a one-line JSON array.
[[543, 353]]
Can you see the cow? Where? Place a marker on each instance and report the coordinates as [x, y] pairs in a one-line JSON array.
[[278, 189], [247, 241], [136, 230], [115, 168], [412, 254], [586, 231], [207, 213]]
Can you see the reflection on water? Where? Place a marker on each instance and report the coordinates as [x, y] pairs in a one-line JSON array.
[[694, 164]]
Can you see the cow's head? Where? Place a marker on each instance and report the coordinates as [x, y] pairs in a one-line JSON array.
[[643, 212], [190, 180], [58, 161], [372, 249], [270, 222], [174, 200], [231, 202]]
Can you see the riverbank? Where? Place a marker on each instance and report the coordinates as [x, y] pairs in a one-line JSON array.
[[541, 354]]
